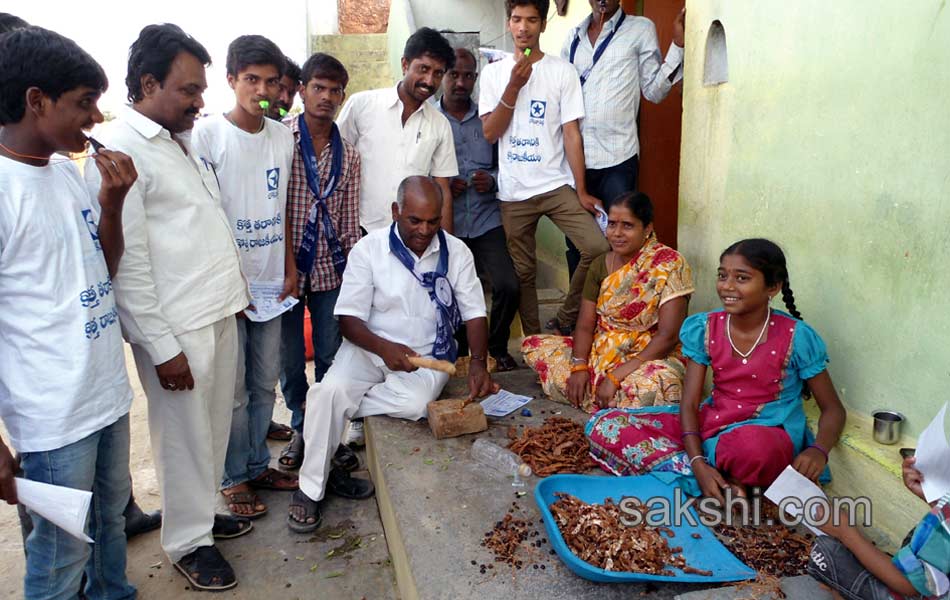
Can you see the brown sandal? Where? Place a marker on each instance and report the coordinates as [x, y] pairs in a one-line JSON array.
[[272, 479], [249, 499]]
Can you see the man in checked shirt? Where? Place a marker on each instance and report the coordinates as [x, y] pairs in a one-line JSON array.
[[320, 262]]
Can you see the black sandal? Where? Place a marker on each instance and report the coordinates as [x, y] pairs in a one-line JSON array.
[[206, 570], [311, 511], [279, 432], [227, 527], [291, 457]]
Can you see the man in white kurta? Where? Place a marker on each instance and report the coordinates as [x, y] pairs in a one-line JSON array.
[[387, 315], [178, 288]]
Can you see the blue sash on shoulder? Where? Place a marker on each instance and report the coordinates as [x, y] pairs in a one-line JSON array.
[[319, 211], [440, 292]]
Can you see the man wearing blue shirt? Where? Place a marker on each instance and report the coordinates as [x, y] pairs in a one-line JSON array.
[[475, 206]]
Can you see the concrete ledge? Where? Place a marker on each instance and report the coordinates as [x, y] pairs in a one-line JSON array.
[[436, 505], [794, 587], [861, 467]]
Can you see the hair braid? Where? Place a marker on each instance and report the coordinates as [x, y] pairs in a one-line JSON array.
[[789, 299]]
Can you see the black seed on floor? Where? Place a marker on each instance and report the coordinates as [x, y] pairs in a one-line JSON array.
[[535, 567], [474, 562], [543, 567]]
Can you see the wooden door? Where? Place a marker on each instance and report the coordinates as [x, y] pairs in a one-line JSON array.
[[660, 128]]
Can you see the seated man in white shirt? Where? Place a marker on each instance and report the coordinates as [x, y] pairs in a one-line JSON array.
[[64, 391], [178, 288], [406, 290]]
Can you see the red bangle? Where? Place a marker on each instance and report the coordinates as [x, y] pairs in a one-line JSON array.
[[686, 433], [820, 449]]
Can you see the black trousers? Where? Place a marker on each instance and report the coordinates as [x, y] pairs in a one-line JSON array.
[[493, 261], [606, 184]]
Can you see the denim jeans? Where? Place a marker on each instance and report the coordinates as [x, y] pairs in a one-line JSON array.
[[326, 341], [832, 564], [606, 184], [55, 560], [258, 369]]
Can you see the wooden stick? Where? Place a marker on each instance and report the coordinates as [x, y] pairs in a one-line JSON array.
[[432, 363]]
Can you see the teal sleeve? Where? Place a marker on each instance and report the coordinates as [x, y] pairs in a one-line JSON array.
[[693, 337], [809, 354], [925, 561]]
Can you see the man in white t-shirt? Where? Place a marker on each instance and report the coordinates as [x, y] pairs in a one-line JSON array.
[[177, 290], [532, 106], [252, 156], [398, 133], [64, 392]]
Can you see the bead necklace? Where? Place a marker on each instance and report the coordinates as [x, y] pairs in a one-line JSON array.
[[745, 355]]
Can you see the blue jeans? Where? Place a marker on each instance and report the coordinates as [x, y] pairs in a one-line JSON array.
[[326, 341], [258, 369], [55, 560]]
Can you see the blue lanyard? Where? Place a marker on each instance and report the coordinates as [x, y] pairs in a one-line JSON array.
[[308, 246], [600, 50], [440, 292]]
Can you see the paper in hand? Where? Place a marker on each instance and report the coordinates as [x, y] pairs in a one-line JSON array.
[[933, 458], [792, 484], [67, 508], [264, 297], [601, 218]]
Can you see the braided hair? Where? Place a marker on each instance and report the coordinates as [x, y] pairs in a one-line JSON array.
[[766, 257]]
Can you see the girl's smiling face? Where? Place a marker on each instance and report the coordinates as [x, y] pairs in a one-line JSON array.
[[742, 288]]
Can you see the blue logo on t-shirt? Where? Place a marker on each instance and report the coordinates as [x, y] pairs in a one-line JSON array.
[[273, 179], [537, 109]]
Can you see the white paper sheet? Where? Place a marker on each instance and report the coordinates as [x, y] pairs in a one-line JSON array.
[[792, 484], [601, 218], [503, 403], [65, 507], [933, 457], [264, 298]]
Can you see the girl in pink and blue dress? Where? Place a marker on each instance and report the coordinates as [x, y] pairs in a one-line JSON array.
[[753, 425]]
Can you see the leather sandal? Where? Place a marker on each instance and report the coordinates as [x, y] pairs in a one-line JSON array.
[[291, 457], [205, 569]]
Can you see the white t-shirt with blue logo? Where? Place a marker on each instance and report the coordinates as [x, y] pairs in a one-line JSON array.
[[62, 365], [531, 157], [253, 170]]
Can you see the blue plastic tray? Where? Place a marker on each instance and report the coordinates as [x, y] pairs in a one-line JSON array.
[[706, 553]]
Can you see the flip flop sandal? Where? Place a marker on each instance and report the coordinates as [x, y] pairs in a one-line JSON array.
[[227, 527], [206, 570], [279, 432], [311, 510], [291, 456], [271, 480], [246, 498]]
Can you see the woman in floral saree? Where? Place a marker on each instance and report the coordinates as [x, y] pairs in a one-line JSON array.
[[625, 352]]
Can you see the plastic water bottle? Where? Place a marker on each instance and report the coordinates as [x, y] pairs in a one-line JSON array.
[[500, 459]]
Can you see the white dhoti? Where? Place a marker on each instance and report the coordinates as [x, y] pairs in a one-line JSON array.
[[356, 386], [189, 431]]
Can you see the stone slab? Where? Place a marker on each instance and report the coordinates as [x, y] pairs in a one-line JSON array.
[[437, 504], [802, 587]]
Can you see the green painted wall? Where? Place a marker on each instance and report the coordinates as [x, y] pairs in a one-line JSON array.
[[832, 137]]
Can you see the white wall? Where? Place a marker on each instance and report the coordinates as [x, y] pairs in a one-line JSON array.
[[324, 18]]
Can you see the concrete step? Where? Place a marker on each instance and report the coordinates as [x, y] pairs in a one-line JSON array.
[[794, 588], [436, 505]]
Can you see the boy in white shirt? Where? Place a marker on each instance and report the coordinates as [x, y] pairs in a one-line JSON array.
[[252, 157], [64, 392], [532, 106]]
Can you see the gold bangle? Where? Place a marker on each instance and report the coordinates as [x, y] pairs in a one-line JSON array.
[[579, 368], [612, 379]]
